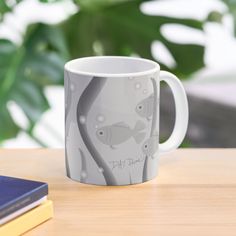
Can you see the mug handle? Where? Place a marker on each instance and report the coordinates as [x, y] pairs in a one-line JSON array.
[[181, 111]]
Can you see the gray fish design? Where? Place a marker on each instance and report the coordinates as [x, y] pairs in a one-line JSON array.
[[150, 146], [120, 132], [145, 107]]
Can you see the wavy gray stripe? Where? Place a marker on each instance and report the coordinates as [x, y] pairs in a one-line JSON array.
[[145, 170], [84, 104], [153, 127], [67, 164], [154, 115], [68, 98], [130, 179], [83, 166]]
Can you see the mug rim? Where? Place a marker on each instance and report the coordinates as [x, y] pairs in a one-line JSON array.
[[155, 67]]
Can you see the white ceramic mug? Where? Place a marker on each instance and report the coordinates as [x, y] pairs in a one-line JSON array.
[[112, 119]]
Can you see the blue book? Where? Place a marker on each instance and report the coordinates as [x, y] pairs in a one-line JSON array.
[[16, 194]]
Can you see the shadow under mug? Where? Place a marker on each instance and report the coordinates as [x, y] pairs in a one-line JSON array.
[[112, 119]]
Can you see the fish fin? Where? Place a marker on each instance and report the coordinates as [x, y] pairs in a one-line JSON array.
[[139, 126], [138, 137], [149, 118], [112, 147], [121, 124]]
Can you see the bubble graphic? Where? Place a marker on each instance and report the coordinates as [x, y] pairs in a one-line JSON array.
[[131, 78], [137, 86], [144, 91], [72, 87], [100, 169], [100, 118], [83, 175], [82, 119], [96, 126]]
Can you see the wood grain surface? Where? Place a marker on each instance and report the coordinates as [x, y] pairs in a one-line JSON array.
[[194, 194]]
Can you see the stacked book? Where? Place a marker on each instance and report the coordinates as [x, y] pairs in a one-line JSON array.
[[23, 205]]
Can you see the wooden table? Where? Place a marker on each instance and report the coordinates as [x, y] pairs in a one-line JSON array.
[[194, 194]]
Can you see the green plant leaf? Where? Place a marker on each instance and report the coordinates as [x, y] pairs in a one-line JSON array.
[[122, 29], [7, 6], [8, 128], [91, 5], [4, 7], [25, 70], [232, 10]]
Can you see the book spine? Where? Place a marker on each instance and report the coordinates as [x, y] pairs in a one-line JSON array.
[[25, 200], [27, 221]]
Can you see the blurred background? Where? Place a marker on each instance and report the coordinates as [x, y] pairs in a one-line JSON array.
[[193, 39]]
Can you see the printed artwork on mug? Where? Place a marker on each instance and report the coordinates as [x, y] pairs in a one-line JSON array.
[[112, 119], [120, 132], [145, 107]]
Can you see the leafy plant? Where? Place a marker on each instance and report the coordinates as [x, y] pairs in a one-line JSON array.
[[232, 10], [25, 70], [122, 29], [101, 27]]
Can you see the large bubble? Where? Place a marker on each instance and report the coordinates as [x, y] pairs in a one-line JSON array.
[[82, 119], [100, 118], [83, 174], [100, 169], [72, 87]]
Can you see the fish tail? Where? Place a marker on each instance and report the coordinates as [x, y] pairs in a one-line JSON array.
[[138, 137], [139, 126]]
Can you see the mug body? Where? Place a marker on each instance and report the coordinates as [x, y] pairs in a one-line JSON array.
[[111, 120]]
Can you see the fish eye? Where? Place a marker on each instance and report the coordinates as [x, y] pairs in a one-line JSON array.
[[140, 107], [100, 133], [145, 146]]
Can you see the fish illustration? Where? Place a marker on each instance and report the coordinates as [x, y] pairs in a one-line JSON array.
[[145, 107], [120, 132], [150, 146]]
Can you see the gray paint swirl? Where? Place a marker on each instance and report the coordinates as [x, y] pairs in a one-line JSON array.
[[68, 99], [154, 116], [153, 128], [84, 105], [83, 171]]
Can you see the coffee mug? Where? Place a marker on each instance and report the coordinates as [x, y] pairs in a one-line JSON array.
[[112, 119]]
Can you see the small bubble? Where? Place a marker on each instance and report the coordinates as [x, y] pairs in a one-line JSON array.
[[82, 119], [100, 118], [100, 169], [144, 91], [137, 85], [83, 174], [72, 87], [96, 126], [131, 78]]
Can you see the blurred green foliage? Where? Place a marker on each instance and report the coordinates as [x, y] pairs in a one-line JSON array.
[[101, 27], [232, 10]]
